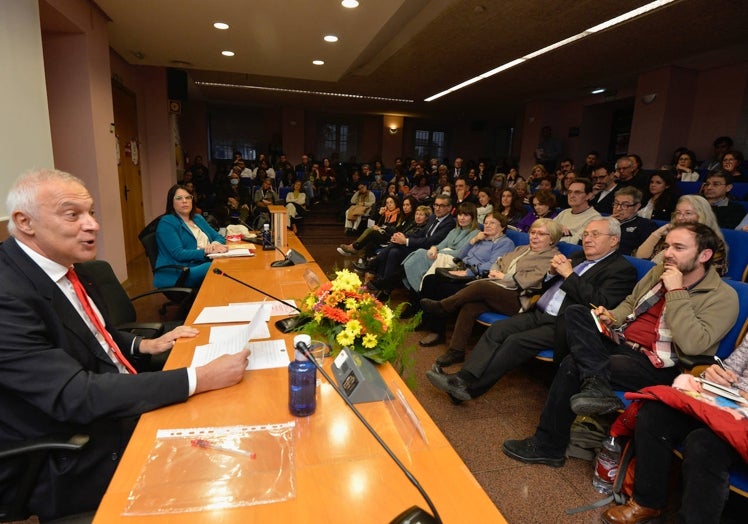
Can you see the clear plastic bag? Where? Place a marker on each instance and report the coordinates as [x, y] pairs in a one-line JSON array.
[[200, 469]]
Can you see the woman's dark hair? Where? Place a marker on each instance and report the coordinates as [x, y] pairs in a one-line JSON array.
[[738, 155], [684, 151], [468, 208], [517, 207], [413, 205], [487, 191], [170, 200], [545, 197], [669, 196], [395, 199]]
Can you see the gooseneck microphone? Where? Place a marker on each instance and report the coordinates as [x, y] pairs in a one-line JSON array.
[[281, 263], [412, 515], [285, 325]]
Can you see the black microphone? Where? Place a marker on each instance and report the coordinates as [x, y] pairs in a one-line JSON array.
[[282, 263], [284, 325], [412, 515]]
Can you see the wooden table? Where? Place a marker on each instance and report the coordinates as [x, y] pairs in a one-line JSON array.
[[341, 474]]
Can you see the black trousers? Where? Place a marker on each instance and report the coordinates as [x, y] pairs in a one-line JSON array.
[[706, 463], [591, 354]]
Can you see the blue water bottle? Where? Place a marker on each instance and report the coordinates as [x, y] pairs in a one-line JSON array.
[[302, 381], [267, 241]]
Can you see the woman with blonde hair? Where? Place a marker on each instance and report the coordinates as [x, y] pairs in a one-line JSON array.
[[690, 208], [513, 283]]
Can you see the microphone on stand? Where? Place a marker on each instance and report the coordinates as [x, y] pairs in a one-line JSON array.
[[291, 258], [284, 325], [412, 515], [281, 263]]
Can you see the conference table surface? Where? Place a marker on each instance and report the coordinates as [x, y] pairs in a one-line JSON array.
[[341, 473]]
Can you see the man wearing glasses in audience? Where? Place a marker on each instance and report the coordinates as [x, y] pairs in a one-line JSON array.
[[680, 307], [389, 260], [634, 229], [575, 218], [597, 275], [716, 188], [604, 186], [625, 170]]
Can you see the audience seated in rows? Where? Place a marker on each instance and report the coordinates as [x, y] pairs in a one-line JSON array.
[[514, 281], [686, 302], [596, 275], [444, 270], [388, 261]]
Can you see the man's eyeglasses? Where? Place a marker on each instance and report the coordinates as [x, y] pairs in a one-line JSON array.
[[594, 234], [442, 205], [624, 205], [714, 184], [180, 198]]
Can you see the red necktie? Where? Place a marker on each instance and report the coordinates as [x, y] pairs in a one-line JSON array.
[[80, 292]]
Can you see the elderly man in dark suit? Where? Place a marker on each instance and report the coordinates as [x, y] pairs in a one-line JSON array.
[[680, 307], [64, 369], [597, 275]]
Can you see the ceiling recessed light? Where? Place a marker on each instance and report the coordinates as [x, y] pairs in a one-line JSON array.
[[597, 91], [331, 38], [227, 53], [221, 25], [350, 4], [318, 62]]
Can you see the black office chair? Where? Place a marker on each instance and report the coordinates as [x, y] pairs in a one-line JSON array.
[[147, 238], [121, 312], [34, 453]]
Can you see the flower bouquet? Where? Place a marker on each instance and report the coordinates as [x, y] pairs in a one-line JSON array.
[[345, 314]]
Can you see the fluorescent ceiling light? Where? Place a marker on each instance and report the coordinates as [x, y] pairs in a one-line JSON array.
[[302, 92], [605, 25], [318, 62], [350, 4], [331, 38], [597, 91], [227, 53], [221, 25]]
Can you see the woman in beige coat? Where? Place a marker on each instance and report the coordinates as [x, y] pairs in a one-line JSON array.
[[511, 287]]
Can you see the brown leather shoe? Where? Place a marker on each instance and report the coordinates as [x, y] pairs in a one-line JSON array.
[[631, 513]]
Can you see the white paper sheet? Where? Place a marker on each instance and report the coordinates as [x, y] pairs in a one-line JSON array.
[[226, 314], [264, 354], [278, 309], [234, 252]]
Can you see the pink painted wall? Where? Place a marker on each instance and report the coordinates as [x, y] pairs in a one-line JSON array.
[[193, 125], [718, 104], [80, 113]]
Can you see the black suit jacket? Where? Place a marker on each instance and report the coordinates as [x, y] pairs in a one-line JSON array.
[[605, 205], [606, 284], [424, 240], [55, 378]]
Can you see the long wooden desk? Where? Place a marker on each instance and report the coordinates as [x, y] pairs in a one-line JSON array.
[[341, 473]]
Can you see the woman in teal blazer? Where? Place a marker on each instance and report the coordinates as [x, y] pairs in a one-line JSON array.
[[184, 238]]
